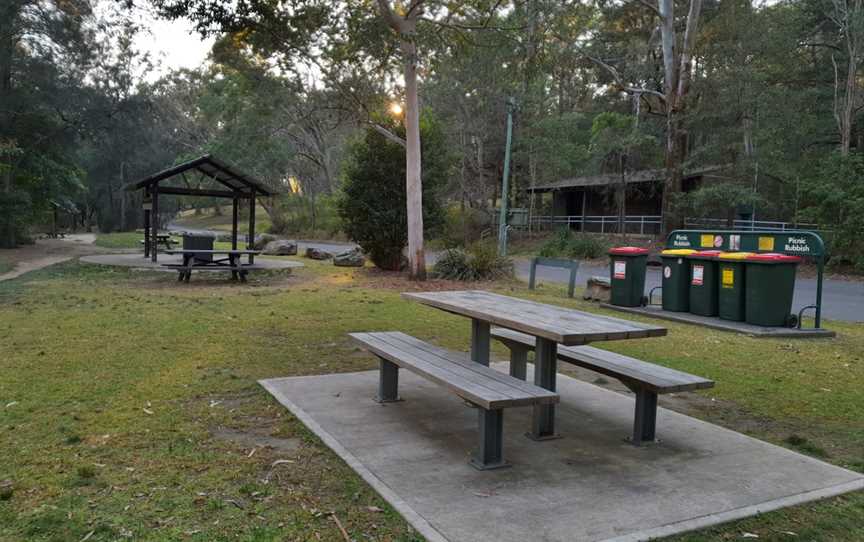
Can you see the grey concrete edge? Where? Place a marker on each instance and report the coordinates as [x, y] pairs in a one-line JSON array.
[[719, 326], [416, 520], [739, 513]]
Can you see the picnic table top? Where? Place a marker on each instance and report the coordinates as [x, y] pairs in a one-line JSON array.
[[214, 251], [562, 325]]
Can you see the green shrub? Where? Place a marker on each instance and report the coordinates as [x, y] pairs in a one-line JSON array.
[[372, 205], [834, 199], [463, 226], [479, 262], [565, 244]]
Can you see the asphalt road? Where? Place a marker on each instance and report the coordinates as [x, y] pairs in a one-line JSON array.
[[841, 300]]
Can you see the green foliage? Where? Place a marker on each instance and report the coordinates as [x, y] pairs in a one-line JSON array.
[[372, 203], [305, 216], [479, 262], [836, 198], [718, 199], [566, 244], [462, 227]]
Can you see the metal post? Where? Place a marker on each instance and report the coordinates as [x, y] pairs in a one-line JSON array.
[[545, 371], [820, 268], [480, 339], [489, 454], [645, 419], [388, 382], [518, 361], [571, 284], [505, 190], [532, 274]]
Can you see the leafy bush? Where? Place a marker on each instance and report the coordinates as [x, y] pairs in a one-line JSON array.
[[480, 262], [565, 244], [463, 226], [835, 198], [372, 205]]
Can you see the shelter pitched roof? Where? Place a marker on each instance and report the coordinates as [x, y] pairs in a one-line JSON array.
[[641, 176], [209, 166]]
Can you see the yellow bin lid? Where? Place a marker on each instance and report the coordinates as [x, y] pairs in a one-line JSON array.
[[735, 255], [677, 252]]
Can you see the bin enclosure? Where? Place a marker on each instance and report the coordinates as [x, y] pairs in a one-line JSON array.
[[730, 295], [199, 242], [770, 286], [703, 282], [627, 275], [676, 277]]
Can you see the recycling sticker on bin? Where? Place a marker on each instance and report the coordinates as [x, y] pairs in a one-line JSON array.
[[620, 270], [728, 279], [698, 275]]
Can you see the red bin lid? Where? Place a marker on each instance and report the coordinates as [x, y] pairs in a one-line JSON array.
[[705, 254], [628, 251], [773, 257]]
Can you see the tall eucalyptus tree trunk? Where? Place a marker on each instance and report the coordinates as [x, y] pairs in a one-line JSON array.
[[405, 25]]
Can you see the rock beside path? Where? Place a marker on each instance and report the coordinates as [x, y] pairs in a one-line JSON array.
[[598, 289], [262, 240], [317, 254], [280, 247], [350, 258]]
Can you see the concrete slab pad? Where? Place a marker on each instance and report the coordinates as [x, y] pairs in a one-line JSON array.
[[590, 485], [137, 261], [655, 311]]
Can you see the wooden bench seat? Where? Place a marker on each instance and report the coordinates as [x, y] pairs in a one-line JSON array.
[[644, 379], [488, 389], [185, 272]]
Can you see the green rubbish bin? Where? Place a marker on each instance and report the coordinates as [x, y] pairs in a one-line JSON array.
[[676, 276], [703, 282], [627, 275], [730, 296], [770, 286]]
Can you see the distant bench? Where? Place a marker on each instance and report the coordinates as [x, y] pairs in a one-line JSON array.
[[572, 265], [488, 389], [646, 380]]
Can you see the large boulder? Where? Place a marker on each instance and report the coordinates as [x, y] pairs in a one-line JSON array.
[[280, 247], [317, 254], [350, 258], [598, 289], [262, 239]]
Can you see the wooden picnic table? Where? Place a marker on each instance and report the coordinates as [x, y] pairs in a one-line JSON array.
[[231, 261], [551, 325], [165, 239]]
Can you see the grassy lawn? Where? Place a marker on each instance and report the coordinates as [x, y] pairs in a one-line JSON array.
[[129, 406], [211, 221], [126, 239], [5, 265]]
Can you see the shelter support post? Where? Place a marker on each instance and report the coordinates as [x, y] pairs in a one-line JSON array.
[[154, 225], [146, 233], [250, 243], [235, 216]]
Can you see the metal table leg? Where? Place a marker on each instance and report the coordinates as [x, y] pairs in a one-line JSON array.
[[489, 453], [480, 339], [545, 371]]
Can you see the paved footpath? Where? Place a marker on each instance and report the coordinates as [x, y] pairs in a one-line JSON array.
[[48, 252]]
